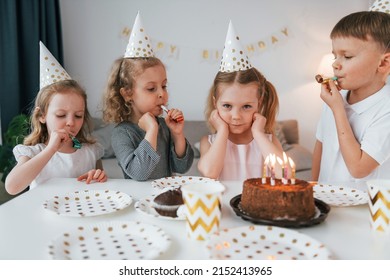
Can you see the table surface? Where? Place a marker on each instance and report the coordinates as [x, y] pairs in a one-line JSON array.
[[26, 227]]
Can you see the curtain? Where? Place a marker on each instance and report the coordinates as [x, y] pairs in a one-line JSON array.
[[23, 23]]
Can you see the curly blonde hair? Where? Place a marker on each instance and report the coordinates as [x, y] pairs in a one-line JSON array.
[[39, 133], [123, 75], [266, 93]]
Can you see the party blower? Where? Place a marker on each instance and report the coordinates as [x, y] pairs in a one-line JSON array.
[[76, 142], [323, 80], [166, 110]]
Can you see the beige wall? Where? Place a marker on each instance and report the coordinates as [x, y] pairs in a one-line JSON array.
[[92, 40]]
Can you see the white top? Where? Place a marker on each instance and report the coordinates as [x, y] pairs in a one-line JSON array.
[[241, 161], [61, 164], [370, 122]]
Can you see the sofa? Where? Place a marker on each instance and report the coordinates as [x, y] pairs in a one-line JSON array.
[[286, 131]]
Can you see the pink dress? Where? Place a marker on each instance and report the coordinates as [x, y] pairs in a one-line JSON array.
[[241, 161]]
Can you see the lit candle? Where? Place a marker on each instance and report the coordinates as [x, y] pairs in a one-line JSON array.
[[265, 167], [272, 160], [280, 161], [285, 161], [292, 164]]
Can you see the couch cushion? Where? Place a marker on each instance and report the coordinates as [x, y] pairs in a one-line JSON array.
[[281, 137], [102, 133], [301, 157], [290, 130], [103, 136], [195, 130]]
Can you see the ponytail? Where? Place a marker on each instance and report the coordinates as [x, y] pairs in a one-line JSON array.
[[269, 105]]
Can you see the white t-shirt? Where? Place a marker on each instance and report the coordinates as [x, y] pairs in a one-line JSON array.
[[370, 122], [61, 164], [241, 161]]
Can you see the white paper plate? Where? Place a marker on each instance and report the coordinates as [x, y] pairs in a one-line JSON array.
[[175, 182], [121, 240], [340, 196], [265, 243], [144, 206], [88, 203]]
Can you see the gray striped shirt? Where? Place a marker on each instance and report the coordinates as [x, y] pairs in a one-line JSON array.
[[139, 161]]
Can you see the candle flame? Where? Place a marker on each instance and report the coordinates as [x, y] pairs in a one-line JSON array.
[[285, 158], [292, 164], [266, 160], [272, 159], [280, 161]]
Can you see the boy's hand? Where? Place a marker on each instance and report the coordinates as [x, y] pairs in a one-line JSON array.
[[331, 95], [97, 175]]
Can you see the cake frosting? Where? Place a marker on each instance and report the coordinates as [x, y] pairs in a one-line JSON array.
[[278, 202]]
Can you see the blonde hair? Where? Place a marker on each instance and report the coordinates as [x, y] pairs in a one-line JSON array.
[[266, 93], [363, 25], [123, 75], [39, 133]]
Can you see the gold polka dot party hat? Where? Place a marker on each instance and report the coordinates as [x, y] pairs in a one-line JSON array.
[[233, 57], [50, 70], [381, 6], [139, 43]]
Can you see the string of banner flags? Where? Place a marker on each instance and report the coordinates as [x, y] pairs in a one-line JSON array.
[[164, 49]]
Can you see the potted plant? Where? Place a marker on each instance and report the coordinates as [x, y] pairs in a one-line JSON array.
[[18, 128]]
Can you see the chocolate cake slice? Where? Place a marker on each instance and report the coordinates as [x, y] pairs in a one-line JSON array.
[[167, 203]]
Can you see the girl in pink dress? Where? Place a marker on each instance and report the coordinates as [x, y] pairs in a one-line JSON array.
[[241, 110]]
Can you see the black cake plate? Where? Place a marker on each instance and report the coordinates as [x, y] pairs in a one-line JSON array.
[[322, 210]]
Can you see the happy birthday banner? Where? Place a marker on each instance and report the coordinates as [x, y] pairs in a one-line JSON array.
[[165, 49]]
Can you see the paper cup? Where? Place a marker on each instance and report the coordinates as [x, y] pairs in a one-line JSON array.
[[202, 208], [379, 204]]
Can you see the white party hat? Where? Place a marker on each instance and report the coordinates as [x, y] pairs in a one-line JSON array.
[[381, 6], [139, 44], [51, 70], [233, 56]]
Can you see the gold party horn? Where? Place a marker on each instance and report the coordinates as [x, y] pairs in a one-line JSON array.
[[323, 80]]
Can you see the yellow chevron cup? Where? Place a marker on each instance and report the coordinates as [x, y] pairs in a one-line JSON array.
[[203, 208], [379, 204]]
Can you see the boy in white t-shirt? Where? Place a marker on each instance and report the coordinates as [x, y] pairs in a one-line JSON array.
[[353, 134]]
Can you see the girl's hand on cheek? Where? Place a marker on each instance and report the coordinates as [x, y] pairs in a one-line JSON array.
[[217, 122], [259, 122], [147, 122]]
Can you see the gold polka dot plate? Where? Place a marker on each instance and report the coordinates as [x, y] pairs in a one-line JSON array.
[[340, 196], [175, 182], [119, 240], [265, 243], [88, 203], [145, 206]]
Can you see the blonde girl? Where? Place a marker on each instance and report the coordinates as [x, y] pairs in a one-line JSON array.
[[60, 114], [146, 145], [241, 110]]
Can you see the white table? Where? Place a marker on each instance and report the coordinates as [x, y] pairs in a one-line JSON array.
[[26, 228]]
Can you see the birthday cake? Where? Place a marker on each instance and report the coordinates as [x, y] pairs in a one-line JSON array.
[[279, 201]]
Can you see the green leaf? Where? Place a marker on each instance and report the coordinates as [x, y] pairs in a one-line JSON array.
[[17, 129]]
